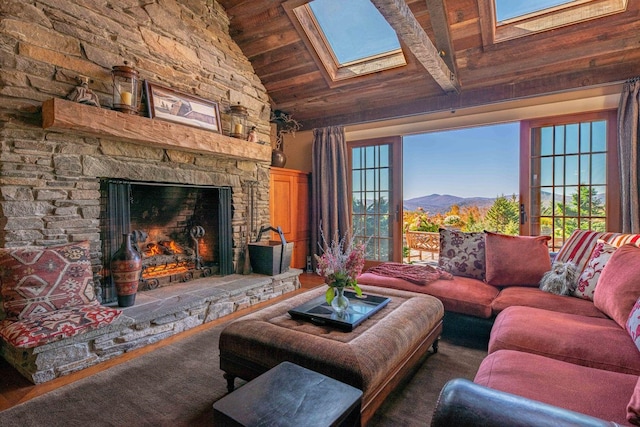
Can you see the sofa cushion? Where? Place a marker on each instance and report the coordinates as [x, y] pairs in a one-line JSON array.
[[596, 392], [460, 295], [516, 260], [580, 244], [569, 337], [633, 408], [589, 278], [41, 280], [462, 254], [633, 324], [619, 284], [533, 297], [40, 329]]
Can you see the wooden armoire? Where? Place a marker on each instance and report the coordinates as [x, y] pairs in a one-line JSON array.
[[289, 203]]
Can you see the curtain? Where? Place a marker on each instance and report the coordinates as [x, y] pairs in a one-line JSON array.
[[628, 118], [329, 190]]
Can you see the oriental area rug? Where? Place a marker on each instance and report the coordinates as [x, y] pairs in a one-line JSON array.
[[177, 384]]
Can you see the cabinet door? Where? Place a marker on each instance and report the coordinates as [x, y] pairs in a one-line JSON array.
[[289, 209], [282, 202], [303, 228]]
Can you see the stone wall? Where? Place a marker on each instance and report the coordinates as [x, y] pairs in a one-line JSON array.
[[49, 188]]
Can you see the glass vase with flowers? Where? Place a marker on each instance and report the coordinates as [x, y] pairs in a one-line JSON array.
[[340, 264]]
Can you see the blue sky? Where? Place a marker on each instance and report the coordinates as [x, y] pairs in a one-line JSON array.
[[354, 28], [507, 9], [470, 162]]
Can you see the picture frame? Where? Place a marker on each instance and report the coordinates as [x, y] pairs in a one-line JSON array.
[[171, 105]]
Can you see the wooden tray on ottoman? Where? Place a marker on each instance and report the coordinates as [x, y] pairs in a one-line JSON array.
[[375, 357]]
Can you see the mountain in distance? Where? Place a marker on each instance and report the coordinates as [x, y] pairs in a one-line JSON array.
[[441, 203]]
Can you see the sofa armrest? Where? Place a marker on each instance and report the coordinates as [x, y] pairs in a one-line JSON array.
[[464, 403]]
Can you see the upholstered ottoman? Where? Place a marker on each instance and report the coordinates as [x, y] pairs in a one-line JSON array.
[[375, 357]]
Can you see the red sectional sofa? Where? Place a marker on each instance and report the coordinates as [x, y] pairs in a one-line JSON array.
[[549, 354], [497, 282]]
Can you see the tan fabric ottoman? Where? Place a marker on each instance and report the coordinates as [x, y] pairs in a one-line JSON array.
[[374, 357]]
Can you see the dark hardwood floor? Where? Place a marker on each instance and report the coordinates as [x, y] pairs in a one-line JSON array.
[[15, 389]]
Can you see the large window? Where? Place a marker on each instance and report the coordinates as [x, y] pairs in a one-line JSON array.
[[572, 181], [374, 197]]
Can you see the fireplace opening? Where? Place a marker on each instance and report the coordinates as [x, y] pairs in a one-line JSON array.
[[182, 232]]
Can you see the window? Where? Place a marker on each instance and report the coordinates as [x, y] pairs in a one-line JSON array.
[[354, 30], [350, 38], [503, 20], [374, 197], [572, 174]]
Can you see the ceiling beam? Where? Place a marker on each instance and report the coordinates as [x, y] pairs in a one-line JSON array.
[[442, 36], [483, 95], [399, 16]]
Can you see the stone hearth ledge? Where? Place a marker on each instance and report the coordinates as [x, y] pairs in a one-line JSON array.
[[156, 315]]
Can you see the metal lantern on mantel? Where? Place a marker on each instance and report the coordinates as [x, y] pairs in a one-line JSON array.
[[125, 88], [239, 116]]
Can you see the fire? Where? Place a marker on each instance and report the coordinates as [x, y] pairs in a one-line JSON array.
[[174, 247], [164, 247]]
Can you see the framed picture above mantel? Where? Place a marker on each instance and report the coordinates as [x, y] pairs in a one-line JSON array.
[[169, 104]]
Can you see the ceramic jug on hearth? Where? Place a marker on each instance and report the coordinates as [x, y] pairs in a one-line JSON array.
[[126, 265]]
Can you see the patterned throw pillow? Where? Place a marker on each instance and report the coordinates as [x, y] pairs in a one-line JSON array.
[[41, 280], [44, 328], [633, 323], [589, 278], [462, 254]]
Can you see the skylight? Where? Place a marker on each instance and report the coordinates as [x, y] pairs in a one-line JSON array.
[[349, 38], [509, 9], [354, 29], [503, 20]]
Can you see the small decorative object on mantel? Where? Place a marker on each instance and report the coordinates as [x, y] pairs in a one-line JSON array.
[[340, 265], [126, 266], [83, 94], [285, 124], [238, 127], [253, 135], [125, 88]]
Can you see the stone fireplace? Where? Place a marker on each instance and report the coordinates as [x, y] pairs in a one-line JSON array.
[[54, 168], [61, 181]]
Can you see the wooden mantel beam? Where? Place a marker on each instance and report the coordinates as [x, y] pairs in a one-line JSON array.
[[63, 115], [399, 16]]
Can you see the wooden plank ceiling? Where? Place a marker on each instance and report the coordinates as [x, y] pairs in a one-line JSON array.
[[588, 53]]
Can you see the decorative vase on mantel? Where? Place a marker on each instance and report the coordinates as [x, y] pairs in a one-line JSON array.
[[339, 303], [278, 158], [126, 266]]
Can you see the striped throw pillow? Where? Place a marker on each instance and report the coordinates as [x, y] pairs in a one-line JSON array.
[[579, 246]]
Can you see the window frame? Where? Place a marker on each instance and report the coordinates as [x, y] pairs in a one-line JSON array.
[[395, 203], [613, 220], [307, 26], [548, 19]]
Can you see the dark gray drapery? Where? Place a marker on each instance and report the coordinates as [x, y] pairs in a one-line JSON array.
[[629, 162], [329, 189]]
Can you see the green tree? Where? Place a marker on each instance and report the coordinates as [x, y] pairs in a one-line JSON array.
[[586, 204], [504, 216], [371, 218]]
